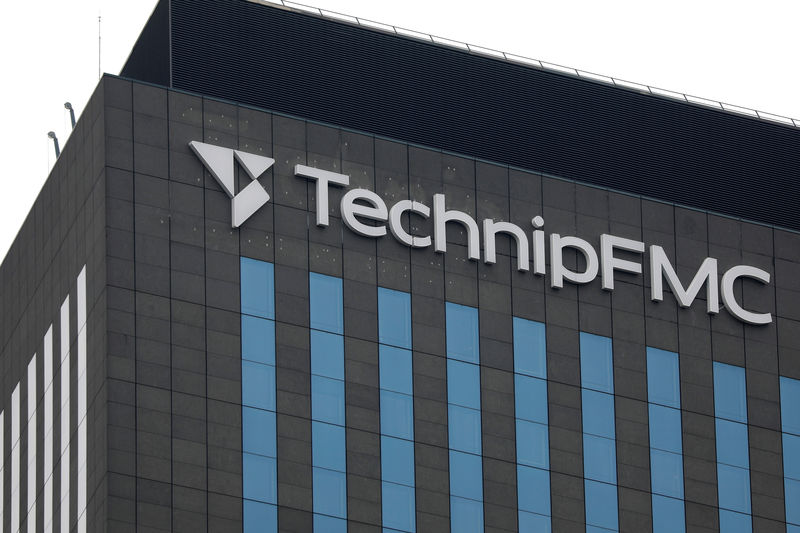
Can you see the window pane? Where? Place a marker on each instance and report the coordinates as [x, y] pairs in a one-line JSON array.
[[534, 522], [466, 515], [666, 473], [327, 400], [734, 488], [260, 517], [258, 340], [598, 413], [599, 459], [398, 507], [466, 475], [534, 490], [732, 522], [260, 479], [596, 363], [462, 332], [394, 318], [329, 446], [464, 425], [665, 428], [325, 302], [531, 398], [730, 399], [732, 443], [396, 370], [258, 290], [790, 399], [327, 354], [601, 504], [669, 515], [791, 456], [529, 348], [397, 460], [329, 524], [663, 378], [258, 431], [463, 384], [258, 385], [791, 489], [330, 493], [532, 444], [397, 415]]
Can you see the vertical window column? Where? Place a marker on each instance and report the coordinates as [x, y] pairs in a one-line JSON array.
[[464, 418], [65, 406], [666, 447], [16, 415], [47, 462], [327, 404], [733, 455], [533, 442], [32, 397], [599, 434], [2, 467], [82, 403], [790, 426], [397, 411], [259, 445]]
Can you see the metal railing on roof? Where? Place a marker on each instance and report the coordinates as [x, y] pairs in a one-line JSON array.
[[536, 63]]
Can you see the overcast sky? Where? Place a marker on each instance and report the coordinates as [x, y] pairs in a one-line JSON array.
[[740, 52]]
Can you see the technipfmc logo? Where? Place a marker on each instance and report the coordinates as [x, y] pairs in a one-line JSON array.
[[219, 162]]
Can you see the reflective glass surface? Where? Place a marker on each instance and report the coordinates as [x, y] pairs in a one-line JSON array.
[[730, 393], [397, 414], [669, 514], [327, 400], [663, 378], [466, 515], [258, 385], [328, 450], [325, 295], [529, 348], [601, 505], [597, 369], [260, 478], [462, 332], [258, 340], [466, 475], [398, 506], [327, 355], [530, 396], [463, 384], [394, 312], [533, 448], [258, 516], [330, 492], [258, 288], [534, 491], [790, 399], [396, 370], [258, 432], [465, 429]]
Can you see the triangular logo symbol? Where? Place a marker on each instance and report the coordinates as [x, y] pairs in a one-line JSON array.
[[219, 162]]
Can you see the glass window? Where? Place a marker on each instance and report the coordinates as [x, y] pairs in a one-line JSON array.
[[464, 425], [397, 415], [666, 473], [791, 489], [327, 354], [730, 393], [330, 493], [534, 522], [791, 456], [532, 444], [669, 515], [258, 385], [327, 400], [329, 446], [790, 399], [598, 413], [466, 515], [463, 384], [258, 289], [259, 478], [597, 363], [466, 475], [531, 398], [261, 517], [601, 505], [665, 428], [732, 443], [397, 460], [733, 522], [599, 458], [534, 491], [258, 432], [398, 507], [663, 378], [325, 293], [394, 318], [734, 488], [462, 333], [396, 369], [530, 348], [329, 524], [258, 340]]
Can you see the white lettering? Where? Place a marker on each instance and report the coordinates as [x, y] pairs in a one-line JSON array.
[[729, 298], [661, 268], [490, 231], [442, 217], [323, 178], [376, 211], [396, 225], [558, 272], [610, 263]]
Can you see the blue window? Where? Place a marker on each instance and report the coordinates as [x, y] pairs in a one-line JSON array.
[[398, 495], [790, 397], [666, 445], [259, 464], [325, 294], [327, 355], [601, 505], [330, 492], [597, 366], [327, 400], [328, 450], [790, 425], [464, 418], [733, 464], [329, 524], [533, 444]]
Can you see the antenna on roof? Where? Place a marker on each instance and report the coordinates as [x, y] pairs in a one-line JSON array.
[[99, 48], [52, 135], [67, 105]]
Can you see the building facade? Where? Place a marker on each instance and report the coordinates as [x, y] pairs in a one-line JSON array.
[[249, 305]]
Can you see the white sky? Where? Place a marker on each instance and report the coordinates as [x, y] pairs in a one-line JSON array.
[[740, 52]]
